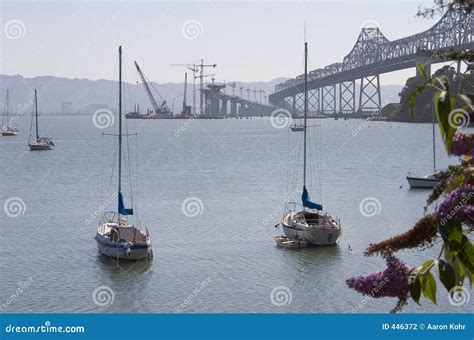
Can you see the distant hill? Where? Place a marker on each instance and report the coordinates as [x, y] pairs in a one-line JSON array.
[[87, 95]]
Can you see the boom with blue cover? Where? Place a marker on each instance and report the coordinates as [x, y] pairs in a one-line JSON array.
[[121, 207], [307, 201]]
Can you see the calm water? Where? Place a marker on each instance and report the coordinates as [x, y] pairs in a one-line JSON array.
[[224, 259]]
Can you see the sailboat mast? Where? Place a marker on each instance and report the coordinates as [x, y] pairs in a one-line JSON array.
[[120, 122], [8, 123], [305, 107], [36, 114], [434, 144]]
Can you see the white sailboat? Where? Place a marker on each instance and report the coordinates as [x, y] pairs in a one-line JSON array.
[[7, 129], [310, 225], [39, 143], [115, 237], [428, 181]]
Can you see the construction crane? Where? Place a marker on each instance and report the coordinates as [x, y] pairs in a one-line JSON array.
[[159, 109], [198, 68], [195, 69]]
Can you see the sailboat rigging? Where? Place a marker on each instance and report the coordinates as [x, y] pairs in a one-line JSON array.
[[115, 237], [39, 143], [311, 225], [7, 129], [429, 181]]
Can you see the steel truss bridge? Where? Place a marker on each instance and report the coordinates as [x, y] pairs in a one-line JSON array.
[[331, 90]]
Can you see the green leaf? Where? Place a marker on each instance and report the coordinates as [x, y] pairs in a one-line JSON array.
[[421, 68], [466, 254], [446, 275], [443, 107], [414, 284], [426, 266], [458, 268], [428, 286]]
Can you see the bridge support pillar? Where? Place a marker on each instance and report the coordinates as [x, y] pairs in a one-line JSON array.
[[314, 100], [347, 97], [369, 96], [328, 99]]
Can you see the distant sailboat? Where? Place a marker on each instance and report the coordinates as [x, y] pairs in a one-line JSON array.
[[7, 129], [310, 226], [115, 237], [428, 181], [297, 127], [40, 143]]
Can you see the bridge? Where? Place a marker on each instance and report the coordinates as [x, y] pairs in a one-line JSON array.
[[331, 90], [220, 105]]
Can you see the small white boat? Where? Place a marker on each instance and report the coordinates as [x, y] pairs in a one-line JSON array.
[[116, 237], [7, 129], [297, 127], [39, 143], [285, 242], [427, 182]]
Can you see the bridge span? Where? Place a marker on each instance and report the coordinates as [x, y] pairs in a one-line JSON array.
[[331, 90]]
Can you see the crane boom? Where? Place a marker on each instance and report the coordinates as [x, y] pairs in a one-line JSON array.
[[148, 91]]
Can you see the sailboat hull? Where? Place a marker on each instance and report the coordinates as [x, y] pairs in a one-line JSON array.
[[326, 232], [122, 251], [9, 133], [422, 182], [40, 147]]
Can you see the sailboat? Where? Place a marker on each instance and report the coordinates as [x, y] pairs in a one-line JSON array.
[[115, 237], [40, 143], [310, 225], [297, 127], [8, 130], [429, 181]]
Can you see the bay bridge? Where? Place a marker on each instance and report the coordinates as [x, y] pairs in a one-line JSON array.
[[332, 89]]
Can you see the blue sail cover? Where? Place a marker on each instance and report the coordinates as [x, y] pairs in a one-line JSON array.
[[121, 207], [307, 201]]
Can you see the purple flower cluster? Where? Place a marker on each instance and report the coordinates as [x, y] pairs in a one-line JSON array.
[[458, 205], [462, 144], [391, 282]]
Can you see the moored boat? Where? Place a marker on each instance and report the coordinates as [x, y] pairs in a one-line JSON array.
[[39, 143], [311, 224], [115, 236]]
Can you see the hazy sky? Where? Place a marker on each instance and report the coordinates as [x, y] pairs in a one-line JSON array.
[[249, 40]]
